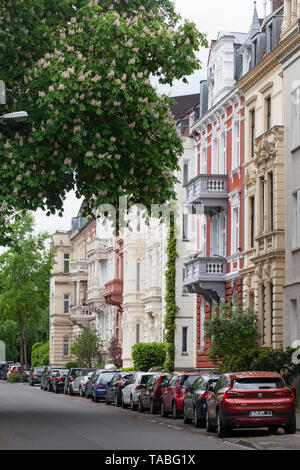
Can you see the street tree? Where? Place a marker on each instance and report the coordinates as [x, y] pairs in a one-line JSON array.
[[86, 348], [82, 71], [24, 278]]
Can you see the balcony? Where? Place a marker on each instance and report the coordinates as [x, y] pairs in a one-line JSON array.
[[114, 292], [206, 276], [99, 247], [81, 314], [209, 191], [79, 270]]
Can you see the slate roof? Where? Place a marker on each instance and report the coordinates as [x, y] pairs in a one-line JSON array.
[[184, 104]]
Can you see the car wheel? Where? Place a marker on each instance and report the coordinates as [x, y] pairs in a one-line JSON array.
[[290, 429], [66, 390], [92, 396], [96, 399], [80, 392], [140, 407], [186, 420], [222, 430], [209, 427], [87, 395], [71, 391], [117, 401], [163, 411], [107, 402], [123, 403], [197, 422], [152, 408], [132, 405], [175, 413], [41, 386]]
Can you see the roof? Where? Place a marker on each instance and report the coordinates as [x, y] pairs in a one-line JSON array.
[[184, 104]]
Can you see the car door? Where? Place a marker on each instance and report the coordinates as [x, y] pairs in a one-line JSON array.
[[191, 397], [211, 400], [149, 390], [167, 393], [113, 387], [217, 396], [127, 389]]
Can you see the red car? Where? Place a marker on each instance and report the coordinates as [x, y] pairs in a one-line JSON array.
[[173, 395], [251, 399], [150, 395]]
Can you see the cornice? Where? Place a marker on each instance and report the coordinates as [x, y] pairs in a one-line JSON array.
[[268, 63]]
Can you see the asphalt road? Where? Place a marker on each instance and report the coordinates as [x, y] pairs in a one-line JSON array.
[[31, 419]]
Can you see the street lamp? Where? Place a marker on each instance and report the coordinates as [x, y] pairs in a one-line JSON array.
[[16, 116]]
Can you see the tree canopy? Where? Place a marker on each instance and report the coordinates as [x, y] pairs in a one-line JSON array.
[[82, 71]]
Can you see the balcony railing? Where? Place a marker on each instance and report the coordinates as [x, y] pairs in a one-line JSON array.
[[114, 292], [209, 190], [81, 313], [206, 276], [79, 265], [99, 246]]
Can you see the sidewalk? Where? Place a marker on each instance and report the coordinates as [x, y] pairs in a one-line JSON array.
[[298, 421]]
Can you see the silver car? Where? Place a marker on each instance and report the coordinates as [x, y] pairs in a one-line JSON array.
[[131, 392], [79, 383]]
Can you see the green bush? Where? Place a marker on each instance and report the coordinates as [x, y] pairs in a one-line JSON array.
[[147, 355], [269, 360], [71, 364], [17, 377]]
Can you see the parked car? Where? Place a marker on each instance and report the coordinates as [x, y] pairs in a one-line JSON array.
[[251, 399], [150, 395], [174, 392], [79, 383], [115, 386], [3, 370], [99, 384], [35, 375], [47, 378], [12, 367], [194, 406], [131, 391], [58, 382], [72, 374]]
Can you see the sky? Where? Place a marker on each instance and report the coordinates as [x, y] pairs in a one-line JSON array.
[[210, 17]]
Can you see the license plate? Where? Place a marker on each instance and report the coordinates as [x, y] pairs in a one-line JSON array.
[[259, 413]]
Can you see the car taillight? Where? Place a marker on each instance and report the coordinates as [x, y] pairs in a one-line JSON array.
[[100, 385], [206, 394], [59, 379], [138, 387], [51, 378], [84, 384], [121, 383], [34, 375], [71, 379], [286, 393], [230, 394]]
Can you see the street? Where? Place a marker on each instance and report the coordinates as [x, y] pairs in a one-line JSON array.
[[32, 419]]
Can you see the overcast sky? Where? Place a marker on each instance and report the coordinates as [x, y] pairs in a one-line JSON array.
[[210, 17]]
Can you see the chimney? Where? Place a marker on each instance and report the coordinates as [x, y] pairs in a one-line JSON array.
[[277, 4]]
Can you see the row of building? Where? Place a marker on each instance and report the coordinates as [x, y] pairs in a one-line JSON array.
[[239, 190]]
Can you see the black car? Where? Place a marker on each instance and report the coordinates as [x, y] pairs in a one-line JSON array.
[[72, 374], [59, 380], [194, 407], [35, 375], [47, 378], [115, 386]]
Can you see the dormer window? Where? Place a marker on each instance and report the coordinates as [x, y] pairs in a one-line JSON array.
[[269, 38]]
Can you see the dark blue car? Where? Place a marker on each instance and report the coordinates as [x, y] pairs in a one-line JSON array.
[[101, 380]]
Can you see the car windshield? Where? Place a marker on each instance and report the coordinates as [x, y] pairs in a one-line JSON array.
[[257, 383], [144, 378], [106, 377], [38, 369], [188, 380], [63, 373]]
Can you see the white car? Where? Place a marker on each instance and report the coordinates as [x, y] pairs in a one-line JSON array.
[[79, 383], [131, 392]]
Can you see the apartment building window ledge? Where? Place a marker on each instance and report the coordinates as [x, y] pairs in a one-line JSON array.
[[235, 171], [295, 250], [184, 354]]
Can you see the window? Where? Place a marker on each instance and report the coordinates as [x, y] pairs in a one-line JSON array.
[[252, 220], [262, 204], [203, 162], [66, 345], [295, 116], [235, 230], [268, 113], [223, 165], [296, 219], [138, 276], [66, 263], [184, 339], [202, 323], [293, 320], [252, 131], [137, 333], [214, 165], [138, 221], [202, 247], [185, 219], [185, 171], [236, 145], [66, 303], [269, 38], [271, 201]]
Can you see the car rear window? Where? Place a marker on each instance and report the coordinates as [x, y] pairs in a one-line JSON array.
[[188, 380], [106, 377], [144, 378], [257, 383]]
